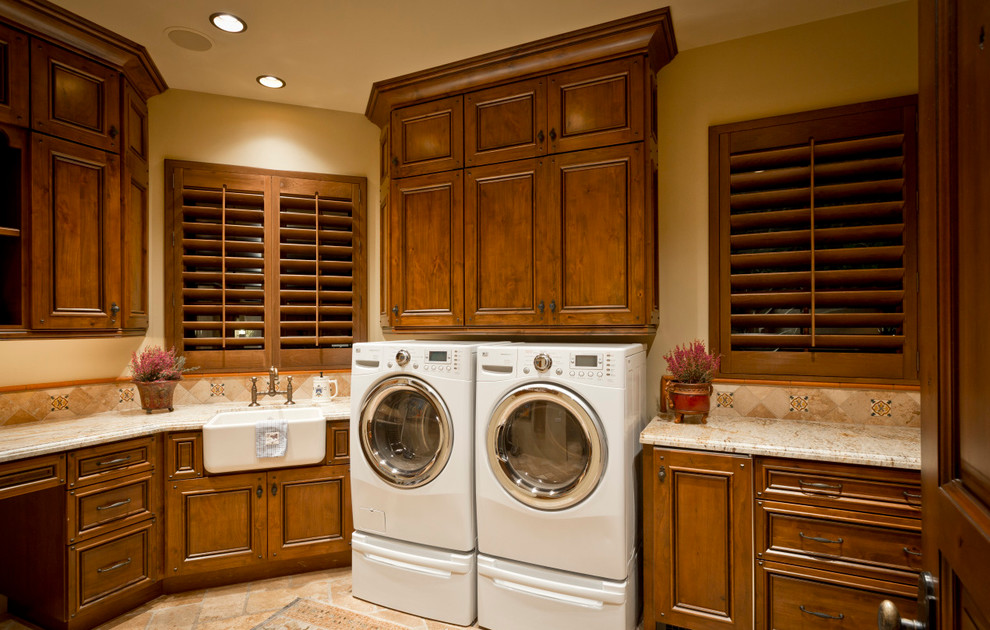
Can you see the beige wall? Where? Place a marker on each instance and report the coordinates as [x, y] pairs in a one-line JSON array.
[[208, 128], [853, 58]]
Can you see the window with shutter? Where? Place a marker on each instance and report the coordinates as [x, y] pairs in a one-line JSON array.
[[814, 244], [265, 268]]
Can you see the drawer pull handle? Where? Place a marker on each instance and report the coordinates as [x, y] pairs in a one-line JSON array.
[[119, 460], [912, 552], [820, 539], [820, 486], [122, 563], [113, 505], [821, 614], [910, 495]]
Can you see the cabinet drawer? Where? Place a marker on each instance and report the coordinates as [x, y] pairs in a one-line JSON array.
[[112, 565], [30, 475], [795, 603], [97, 509], [885, 547], [111, 461], [863, 488]]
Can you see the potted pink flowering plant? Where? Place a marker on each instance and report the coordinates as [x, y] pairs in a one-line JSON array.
[[156, 372], [692, 368]]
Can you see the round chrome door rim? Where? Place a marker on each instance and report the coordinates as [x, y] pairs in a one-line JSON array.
[[526, 493], [374, 458]]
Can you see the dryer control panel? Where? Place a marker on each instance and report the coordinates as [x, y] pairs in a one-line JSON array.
[[599, 367]]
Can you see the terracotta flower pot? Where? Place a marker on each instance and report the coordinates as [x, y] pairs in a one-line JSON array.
[[689, 399], [156, 394]]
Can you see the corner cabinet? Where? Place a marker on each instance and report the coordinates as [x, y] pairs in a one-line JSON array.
[[519, 186], [74, 248]]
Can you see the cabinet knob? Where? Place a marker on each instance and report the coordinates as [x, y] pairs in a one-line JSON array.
[[539, 137], [553, 306], [553, 134], [114, 309], [539, 306], [662, 473], [274, 488], [259, 492], [395, 310], [113, 131], [395, 161]]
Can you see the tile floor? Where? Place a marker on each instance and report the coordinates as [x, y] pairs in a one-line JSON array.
[[243, 606]]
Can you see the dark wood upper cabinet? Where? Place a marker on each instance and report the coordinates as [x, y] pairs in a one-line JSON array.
[[597, 105], [507, 122], [75, 225], [74, 97], [14, 67], [428, 138], [134, 212]]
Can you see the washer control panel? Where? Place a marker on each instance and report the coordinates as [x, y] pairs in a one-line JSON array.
[[582, 366]]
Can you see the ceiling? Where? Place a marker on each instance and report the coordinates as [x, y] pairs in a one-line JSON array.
[[329, 52]]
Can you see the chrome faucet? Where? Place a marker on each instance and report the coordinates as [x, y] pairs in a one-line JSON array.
[[272, 388]]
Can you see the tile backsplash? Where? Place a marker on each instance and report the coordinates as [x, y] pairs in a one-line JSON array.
[[73, 401], [823, 404]]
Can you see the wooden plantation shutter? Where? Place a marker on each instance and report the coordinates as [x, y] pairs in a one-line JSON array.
[[265, 267], [814, 244], [317, 254]]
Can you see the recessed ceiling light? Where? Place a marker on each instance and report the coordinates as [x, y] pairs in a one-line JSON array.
[[270, 81], [228, 22]]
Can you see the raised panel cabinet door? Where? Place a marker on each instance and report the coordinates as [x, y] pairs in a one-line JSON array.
[[75, 236], [504, 123], [598, 239], [428, 138], [309, 512], [701, 561], [597, 105], [14, 82], [215, 523], [134, 216], [74, 97], [426, 244], [507, 273]]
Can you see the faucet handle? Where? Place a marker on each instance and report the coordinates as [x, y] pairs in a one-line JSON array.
[[288, 391], [254, 392]]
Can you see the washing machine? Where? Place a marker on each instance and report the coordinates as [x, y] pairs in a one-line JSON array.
[[412, 477], [557, 437]]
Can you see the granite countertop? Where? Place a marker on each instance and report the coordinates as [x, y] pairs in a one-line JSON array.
[[41, 438], [872, 445]]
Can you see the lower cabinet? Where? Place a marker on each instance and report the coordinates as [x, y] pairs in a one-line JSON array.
[[244, 520]]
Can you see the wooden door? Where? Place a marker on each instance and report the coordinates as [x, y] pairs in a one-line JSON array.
[[215, 523], [426, 246], [699, 539], [598, 237], [597, 105], [134, 214], [15, 218], [507, 122], [74, 97], [508, 274], [428, 138], [75, 236], [309, 512], [954, 155], [14, 82]]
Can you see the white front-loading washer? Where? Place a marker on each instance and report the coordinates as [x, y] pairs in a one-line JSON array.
[[555, 463], [412, 477]]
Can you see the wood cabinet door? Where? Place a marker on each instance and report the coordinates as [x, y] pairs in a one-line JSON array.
[[134, 215], [14, 82], [507, 273], [426, 246], [699, 530], [507, 122], [428, 138], [74, 97], [597, 105], [598, 237], [215, 523], [309, 512], [75, 236]]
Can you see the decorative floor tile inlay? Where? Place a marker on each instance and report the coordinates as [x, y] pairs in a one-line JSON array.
[[799, 403], [724, 399], [60, 403], [880, 407], [126, 394], [216, 389]]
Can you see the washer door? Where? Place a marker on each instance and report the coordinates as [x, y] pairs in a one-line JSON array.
[[546, 446], [406, 431]]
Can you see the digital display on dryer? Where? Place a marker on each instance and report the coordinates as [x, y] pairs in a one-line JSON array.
[[437, 356], [586, 360]]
